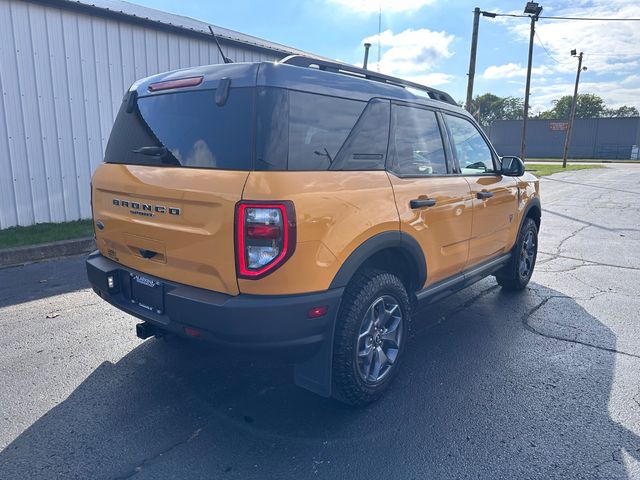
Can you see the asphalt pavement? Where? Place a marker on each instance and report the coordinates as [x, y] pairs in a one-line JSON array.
[[544, 383]]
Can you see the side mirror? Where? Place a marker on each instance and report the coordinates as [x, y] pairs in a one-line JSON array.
[[512, 166]]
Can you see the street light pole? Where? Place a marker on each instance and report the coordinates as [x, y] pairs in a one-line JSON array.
[[472, 58], [572, 116], [534, 10]]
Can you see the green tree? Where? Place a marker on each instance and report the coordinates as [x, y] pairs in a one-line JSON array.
[[486, 108], [489, 107], [623, 111], [589, 106], [512, 108]]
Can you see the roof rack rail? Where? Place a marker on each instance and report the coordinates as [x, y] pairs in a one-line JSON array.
[[302, 61]]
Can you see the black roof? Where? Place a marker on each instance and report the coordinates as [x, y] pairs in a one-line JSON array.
[[350, 82]]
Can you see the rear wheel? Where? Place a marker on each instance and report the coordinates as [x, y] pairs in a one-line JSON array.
[[371, 334], [517, 273]]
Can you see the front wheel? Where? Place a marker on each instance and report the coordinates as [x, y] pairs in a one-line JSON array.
[[517, 273], [371, 334]]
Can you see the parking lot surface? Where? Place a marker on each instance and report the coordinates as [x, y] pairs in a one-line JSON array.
[[540, 384]]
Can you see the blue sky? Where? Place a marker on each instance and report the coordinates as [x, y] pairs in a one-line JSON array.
[[428, 41]]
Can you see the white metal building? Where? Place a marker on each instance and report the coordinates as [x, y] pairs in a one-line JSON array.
[[64, 67]]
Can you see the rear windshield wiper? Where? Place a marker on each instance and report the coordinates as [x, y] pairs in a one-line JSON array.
[[151, 151], [165, 156], [325, 154]]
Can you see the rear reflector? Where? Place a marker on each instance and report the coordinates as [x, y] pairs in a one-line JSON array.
[[192, 332], [179, 83], [263, 231], [316, 312]]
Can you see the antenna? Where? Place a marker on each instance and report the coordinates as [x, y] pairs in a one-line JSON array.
[[225, 59], [379, 32]]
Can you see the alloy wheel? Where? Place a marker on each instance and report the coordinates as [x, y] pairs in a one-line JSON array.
[[527, 255], [379, 339]]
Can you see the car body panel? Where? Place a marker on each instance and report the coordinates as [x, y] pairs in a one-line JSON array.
[[443, 230], [493, 218], [194, 247], [336, 212]]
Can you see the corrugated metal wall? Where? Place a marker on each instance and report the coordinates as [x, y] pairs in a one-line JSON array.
[[604, 138], [62, 77]]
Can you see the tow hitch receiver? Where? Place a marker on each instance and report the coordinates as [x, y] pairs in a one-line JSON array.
[[146, 330]]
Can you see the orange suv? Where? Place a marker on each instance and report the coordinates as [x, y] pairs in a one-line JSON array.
[[303, 206]]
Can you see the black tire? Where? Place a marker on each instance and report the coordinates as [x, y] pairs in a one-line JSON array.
[[517, 273], [369, 292]]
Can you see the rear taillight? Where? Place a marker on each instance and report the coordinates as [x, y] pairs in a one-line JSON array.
[[265, 236]]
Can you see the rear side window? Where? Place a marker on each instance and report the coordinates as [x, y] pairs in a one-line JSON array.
[[415, 145], [302, 131], [185, 129], [366, 146], [318, 126], [471, 149]]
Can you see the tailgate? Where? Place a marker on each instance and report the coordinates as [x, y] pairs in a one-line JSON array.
[[173, 223]]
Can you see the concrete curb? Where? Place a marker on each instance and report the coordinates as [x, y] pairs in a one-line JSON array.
[[11, 257]]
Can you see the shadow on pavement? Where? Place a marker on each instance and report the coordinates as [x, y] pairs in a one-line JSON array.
[[51, 277], [480, 396]]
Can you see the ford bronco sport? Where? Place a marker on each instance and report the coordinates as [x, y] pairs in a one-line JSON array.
[[303, 206]]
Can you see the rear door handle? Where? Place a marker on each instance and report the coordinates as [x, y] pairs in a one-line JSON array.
[[484, 195], [422, 202]]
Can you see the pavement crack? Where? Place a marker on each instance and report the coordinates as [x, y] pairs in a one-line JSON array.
[[150, 459], [612, 460], [586, 262], [581, 184], [532, 329], [569, 237]]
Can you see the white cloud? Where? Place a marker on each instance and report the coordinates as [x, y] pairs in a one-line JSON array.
[[609, 48], [614, 93], [387, 6], [511, 70], [600, 41], [431, 79], [410, 51]]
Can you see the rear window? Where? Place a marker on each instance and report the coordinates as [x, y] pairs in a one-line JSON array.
[[187, 129]]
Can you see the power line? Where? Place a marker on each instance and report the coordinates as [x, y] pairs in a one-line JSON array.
[[549, 53], [594, 19], [515, 15], [615, 54]]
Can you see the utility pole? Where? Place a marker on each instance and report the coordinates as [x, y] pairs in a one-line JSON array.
[[567, 140], [472, 58], [534, 10]]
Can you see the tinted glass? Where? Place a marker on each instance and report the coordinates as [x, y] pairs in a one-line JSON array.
[[473, 153], [190, 128], [415, 145], [272, 126], [366, 146], [318, 126]]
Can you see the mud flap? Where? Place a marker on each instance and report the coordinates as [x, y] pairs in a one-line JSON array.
[[315, 374]]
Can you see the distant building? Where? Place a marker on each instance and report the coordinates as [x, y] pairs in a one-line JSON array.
[[65, 66], [603, 138]]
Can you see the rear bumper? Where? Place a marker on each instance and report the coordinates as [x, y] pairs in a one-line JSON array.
[[243, 321]]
